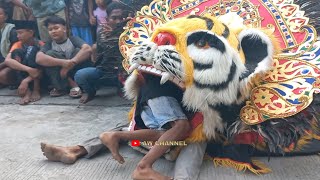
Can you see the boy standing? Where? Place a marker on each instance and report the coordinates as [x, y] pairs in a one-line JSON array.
[[62, 57]]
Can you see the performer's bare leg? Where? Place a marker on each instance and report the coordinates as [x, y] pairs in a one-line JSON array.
[[144, 169], [112, 139]]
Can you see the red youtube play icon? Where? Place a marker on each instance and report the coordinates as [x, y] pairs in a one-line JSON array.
[[135, 143]]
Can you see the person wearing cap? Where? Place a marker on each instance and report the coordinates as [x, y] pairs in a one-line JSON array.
[[22, 59], [8, 36], [62, 57]]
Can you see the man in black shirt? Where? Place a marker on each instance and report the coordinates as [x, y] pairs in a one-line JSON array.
[[108, 65]]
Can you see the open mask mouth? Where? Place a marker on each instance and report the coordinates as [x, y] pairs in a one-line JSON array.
[[165, 76]]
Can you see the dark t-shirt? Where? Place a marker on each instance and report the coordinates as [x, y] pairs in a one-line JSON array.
[[27, 53], [78, 13], [67, 47], [109, 58], [12, 38]]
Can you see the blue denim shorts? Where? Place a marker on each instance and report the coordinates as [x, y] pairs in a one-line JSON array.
[[160, 111]]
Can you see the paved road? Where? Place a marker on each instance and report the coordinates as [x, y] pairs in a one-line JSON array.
[[62, 121]]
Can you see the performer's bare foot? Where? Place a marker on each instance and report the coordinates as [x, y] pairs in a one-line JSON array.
[[26, 98], [147, 173], [68, 65], [112, 142], [35, 96], [85, 98], [68, 155]]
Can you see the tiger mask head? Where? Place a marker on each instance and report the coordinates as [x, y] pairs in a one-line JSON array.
[[206, 58]]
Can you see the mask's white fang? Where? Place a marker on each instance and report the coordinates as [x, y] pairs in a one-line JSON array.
[[165, 77], [133, 67]]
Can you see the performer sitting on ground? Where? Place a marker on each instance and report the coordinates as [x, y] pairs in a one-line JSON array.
[[22, 58], [159, 108], [62, 57]]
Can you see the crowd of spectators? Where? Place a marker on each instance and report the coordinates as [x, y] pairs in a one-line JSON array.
[[57, 46]]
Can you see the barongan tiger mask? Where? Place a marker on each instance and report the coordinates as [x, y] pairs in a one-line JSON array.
[[215, 64]]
